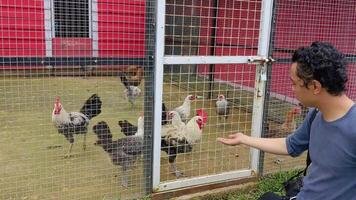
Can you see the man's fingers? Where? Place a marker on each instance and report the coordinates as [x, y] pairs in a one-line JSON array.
[[232, 136], [222, 140]]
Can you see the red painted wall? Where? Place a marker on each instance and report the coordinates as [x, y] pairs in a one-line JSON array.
[[22, 28], [236, 35], [298, 23], [121, 28]]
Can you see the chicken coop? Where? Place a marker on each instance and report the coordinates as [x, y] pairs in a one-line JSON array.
[[105, 99]]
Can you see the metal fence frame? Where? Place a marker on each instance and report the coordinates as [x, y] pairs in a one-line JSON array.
[[258, 105]]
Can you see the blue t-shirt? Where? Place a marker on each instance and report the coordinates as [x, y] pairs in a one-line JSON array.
[[332, 174]]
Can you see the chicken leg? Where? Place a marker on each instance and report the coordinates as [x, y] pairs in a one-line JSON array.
[[70, 138], [85, 142], [124, 178], [175, 171], [68, 155], [172, 161]]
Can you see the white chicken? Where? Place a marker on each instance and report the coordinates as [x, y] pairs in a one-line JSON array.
[[131, 94], [222, 107], [184, 109], [180, 138], [174, 128]]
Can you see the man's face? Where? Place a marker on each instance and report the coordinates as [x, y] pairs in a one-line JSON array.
[[303, 94]]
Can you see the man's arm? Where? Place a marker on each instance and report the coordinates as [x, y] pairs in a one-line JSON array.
[[270, 145]]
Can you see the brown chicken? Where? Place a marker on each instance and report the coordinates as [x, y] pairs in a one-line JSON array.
[[133, 75], [288, 127]]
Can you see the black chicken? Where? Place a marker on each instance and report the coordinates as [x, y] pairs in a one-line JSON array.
[[129, 129], [124, 151]]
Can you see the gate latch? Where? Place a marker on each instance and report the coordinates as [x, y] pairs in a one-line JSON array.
[[261, 60]]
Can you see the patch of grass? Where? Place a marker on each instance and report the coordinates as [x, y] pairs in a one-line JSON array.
[[269, 183]]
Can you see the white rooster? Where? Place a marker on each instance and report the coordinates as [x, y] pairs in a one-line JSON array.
[[180, 138], [184, 109]]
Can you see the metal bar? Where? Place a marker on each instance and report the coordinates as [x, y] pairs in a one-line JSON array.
[[94, 27], [149, 98], [349, 58], [175, 60], [184, 183], [168, 60], [260, 83], [212, 48], [268, 85], [55, 61], [158, 85], [285, 50], [48, 26]]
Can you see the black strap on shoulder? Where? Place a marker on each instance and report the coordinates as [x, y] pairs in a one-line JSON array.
[[308, 160]]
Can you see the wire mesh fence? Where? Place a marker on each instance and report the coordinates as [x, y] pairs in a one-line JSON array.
[[74, 76], [207, 157], [298, 24], [93, 61]]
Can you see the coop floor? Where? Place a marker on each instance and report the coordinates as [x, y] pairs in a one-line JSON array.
[[32, 163]]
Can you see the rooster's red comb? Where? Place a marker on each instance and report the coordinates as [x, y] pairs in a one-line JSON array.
[[200, 112], [297, 110]]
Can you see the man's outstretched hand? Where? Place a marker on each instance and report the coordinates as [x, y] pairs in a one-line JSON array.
[[233, 139]]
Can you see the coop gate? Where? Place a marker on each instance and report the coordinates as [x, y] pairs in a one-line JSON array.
[[178, 59]]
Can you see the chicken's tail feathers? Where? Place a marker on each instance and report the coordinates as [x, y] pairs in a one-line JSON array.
[[124, 80], [124, 123], [102, 131], [121, 123], [140, 72], [127, 128], [164, 114], [92, 107]]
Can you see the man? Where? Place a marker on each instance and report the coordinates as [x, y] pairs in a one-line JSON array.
[[319, 74]]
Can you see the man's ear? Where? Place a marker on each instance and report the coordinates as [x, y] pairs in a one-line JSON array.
[[316, 87]]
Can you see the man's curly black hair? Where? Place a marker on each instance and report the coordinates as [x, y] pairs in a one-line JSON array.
[[324, 63]]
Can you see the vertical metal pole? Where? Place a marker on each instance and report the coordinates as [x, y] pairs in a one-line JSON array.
[[94, 27], [268, 85], [49, 28], [212, 48], [158, 87], [260, 80], [149, 91]]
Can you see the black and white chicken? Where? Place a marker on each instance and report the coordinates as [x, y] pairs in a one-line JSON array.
[[124, 151], [71, 123], [131, 92]]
